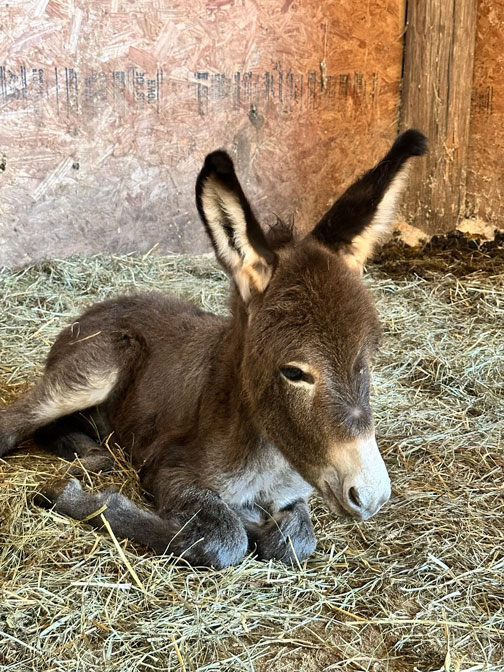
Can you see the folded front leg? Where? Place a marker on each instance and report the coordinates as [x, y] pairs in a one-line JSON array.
[[209, 531], [127, 520], [288, 535], [205, 532]]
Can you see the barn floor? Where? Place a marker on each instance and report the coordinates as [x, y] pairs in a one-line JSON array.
[[420, 587]]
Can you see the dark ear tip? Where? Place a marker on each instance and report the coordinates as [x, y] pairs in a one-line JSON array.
[[219, 162], [411, 143]]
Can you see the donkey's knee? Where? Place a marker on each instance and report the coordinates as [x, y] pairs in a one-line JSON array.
[[214, 536], [224, 544], [209, 532]]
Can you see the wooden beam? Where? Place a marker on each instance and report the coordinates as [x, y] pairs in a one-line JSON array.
[[436, 98], [485, 184]]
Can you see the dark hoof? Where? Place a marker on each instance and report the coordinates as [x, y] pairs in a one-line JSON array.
[[94, 462], [49, 492], [276, 544]]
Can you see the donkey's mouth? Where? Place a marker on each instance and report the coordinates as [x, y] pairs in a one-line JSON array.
[[333, 500]]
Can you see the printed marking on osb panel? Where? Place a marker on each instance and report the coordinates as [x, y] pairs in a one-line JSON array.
[[68, 92], [287, 91]]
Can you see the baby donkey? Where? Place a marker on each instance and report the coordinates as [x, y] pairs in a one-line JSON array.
[[231, 421]]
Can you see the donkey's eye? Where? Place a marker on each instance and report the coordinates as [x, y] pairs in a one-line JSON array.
[[295, 374], [292, 373]]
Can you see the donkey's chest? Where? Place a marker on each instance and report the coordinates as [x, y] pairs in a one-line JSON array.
[[266, 480]]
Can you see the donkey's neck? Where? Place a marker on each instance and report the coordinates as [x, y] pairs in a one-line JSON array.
[[241, 464], [225, 414]]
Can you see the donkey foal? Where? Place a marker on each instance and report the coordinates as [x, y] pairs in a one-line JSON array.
[[231, 421]]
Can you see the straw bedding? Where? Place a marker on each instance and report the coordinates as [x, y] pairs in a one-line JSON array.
[[418, 587]]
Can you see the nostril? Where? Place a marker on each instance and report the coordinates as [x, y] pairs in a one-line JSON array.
[[354, 498]]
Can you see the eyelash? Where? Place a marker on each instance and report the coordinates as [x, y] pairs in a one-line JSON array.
[[296, 375]]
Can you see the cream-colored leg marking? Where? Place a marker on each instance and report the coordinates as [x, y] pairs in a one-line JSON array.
[[60, 400]]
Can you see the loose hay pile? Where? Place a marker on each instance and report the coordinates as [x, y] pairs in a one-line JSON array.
[[419, 587]]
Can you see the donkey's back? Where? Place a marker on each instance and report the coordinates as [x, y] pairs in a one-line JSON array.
[[150, 355]]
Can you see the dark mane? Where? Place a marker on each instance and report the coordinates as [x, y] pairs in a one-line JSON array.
[[280, 233]]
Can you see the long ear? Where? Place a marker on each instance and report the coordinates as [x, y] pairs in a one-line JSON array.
[[237, 238], [361, 217]]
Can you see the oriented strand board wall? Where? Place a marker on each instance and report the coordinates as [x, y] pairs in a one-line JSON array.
[[485, 179], [107, 109]]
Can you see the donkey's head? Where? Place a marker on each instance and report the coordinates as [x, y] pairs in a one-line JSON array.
[[309, 324]]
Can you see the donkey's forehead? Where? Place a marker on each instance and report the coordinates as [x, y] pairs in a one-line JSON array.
[[318, 295], [310, 273]]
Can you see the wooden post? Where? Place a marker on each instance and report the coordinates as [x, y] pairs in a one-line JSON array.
[[436, 98]]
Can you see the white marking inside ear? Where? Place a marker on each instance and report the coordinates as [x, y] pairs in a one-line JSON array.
[[61, 400], [361, 247], [254, 268], [210, 200], [247, 266]]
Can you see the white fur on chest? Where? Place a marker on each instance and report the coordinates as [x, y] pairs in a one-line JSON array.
[[266, 479]]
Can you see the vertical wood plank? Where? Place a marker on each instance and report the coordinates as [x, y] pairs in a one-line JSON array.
[[436, 98], [485, 175]]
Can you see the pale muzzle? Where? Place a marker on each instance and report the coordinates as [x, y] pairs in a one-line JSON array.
[[357, 480]]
